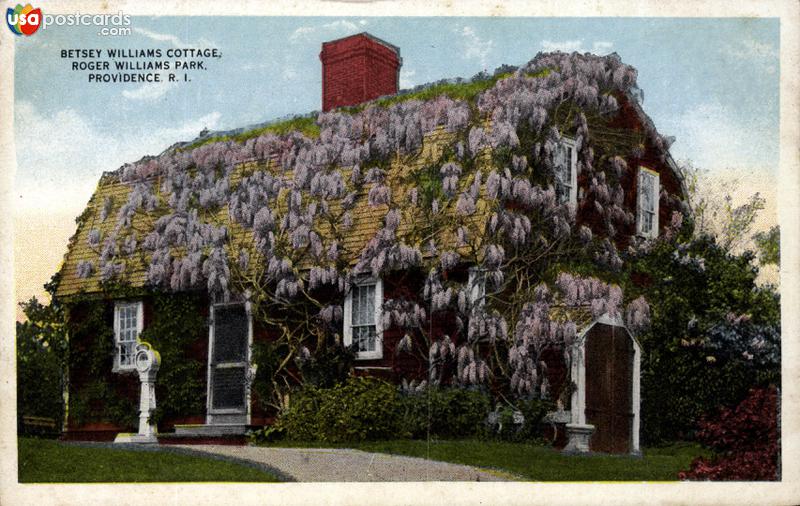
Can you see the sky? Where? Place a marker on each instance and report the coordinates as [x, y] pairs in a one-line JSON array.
[[711, 83]]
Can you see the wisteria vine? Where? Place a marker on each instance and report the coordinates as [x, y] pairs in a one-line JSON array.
[[272, 218]]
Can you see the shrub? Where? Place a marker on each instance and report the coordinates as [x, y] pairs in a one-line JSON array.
[[301, 419], [745, 438], [358, 410], [532, 411], [96, 395], [443, 412], [268, 434]]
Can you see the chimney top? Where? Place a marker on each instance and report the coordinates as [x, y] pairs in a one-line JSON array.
[[368, 36]]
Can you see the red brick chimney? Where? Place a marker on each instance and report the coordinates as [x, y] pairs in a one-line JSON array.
[[358, 68]]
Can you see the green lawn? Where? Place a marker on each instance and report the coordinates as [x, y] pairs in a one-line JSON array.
[[47, 461], [540, 463]]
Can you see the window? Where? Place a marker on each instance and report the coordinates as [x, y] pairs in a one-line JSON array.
[[566, 169], [477, 287], [647, 207], [362, 319], [128, 322]]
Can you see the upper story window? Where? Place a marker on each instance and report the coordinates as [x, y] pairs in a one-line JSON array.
[[128, 323], [647, 203], [362, 319], [566, 171]]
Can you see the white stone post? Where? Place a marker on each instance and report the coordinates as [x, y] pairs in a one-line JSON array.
[[147, 361], [578, 431]]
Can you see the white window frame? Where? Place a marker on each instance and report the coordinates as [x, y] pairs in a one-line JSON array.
[[572, 185], [644, 172], [118, 306], [476, 282], [377, 353]]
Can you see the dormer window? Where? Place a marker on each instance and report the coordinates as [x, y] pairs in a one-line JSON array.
[[566, 172], [476, 284], [647, 203], [362, 319]]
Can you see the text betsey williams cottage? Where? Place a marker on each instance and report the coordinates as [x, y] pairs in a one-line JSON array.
[[26, 20]]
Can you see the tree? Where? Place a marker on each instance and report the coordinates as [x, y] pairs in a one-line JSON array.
[[715, 333], [41, 361], [714, 212], [769, 246]]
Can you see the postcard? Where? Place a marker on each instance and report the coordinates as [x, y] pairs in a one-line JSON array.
[[400, 253]]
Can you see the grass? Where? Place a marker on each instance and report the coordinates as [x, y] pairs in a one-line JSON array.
[[47, 461], [540, 463], [307, 125], [466, 91]]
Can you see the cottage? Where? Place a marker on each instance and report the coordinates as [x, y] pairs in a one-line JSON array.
[[436, 232]]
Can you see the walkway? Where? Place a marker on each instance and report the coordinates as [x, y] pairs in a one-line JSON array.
[[322, 464]]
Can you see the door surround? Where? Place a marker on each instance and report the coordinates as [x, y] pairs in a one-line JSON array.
[[578, 377]]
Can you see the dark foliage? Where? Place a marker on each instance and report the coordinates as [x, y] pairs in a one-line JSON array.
[[266, 356], [360, 409], [443, 413], [769, 246], [96, 398], [746, 440], [533, 411], [328, 366], [176, 327], [41, 349], [715, 334]]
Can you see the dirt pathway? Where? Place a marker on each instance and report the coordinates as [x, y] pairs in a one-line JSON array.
[[322, 464]]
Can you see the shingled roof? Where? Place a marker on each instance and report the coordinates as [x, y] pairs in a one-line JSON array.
[[367, 219]]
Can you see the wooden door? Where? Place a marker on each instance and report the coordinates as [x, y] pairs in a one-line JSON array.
[[609, 361]]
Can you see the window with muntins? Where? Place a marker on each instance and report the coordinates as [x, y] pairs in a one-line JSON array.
[[566, 171], [362, 319], [128, 319], [647, 212]]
